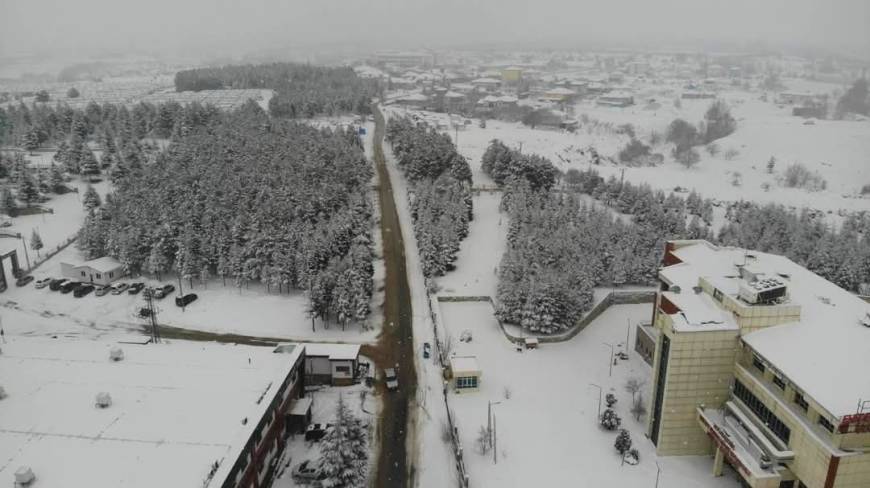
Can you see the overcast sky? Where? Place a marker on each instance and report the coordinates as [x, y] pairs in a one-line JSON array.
[[64, 26]]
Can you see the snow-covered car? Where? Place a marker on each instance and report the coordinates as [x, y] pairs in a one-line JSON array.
[[42, 283], [163, 291], [24, 280], [135, 288], [427, 350], [315, 432], [119, 288], [391, 379], [307, 472], [102, 290]]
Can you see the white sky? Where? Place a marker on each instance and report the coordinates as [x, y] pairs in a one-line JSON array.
[[86, 25]]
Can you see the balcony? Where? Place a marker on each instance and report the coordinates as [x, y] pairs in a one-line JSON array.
[[744, 446]]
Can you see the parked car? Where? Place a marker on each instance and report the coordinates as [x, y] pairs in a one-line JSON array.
[[306, 472], [56, 284], [43, 283], [119, 288], [135, 288], [185, 300], [392, 379], [163, 291], [315, 432], [82, 290], [102, 290], [24, 280], [70, 286], [427, 350]]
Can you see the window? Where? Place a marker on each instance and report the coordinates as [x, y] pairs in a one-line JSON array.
[[826, 424], [762, 412], [111, 274], [466, 382], [342, 369], [83, 273], [99, 276], [756, 361], [717, 294], [801, 401], [779, 382]]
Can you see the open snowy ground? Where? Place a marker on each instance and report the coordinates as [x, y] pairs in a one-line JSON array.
[[838, 150], [547, 430], [360, 399]]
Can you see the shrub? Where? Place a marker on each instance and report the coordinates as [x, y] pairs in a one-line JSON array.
[[712, 149], [682, 134], [865, 190], [610, 399], [623, 442], [609, 420], [798, 176], [719, 122], [731, 153], [687, 158], [633, 151]]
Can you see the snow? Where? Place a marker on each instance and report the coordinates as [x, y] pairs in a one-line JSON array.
[[464, 364], [170, 405], [547, 429], [827, 344], [336, 352], [103, 264], [359, 399]]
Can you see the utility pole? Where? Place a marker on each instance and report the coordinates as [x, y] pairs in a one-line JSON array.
[[152, 314], [181, 292], [599, 399], [627, 335], [611, 357], [494, 443], [24, 245]]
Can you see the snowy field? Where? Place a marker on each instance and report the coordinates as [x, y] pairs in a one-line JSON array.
[[836, 149], [547, 429]]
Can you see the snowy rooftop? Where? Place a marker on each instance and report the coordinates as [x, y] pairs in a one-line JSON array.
[[826, 353], [336, 352], [465, 364], [176, 409], [103, 264]]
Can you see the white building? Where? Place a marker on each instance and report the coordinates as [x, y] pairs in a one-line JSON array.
[[100, 271], [180, 414], [334, 364], [465, 373]]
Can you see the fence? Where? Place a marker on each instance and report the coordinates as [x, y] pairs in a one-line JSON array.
[[50, 254], [442, 359]]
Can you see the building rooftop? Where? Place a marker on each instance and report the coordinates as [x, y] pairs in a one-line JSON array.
[[464, 364], [826, 353], [103, 264], [176, 410], [337, 352]]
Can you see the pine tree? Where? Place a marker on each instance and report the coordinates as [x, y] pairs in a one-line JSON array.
[[55, 179], [91, 199], [89, 164], [35, 242], [31, 140], [610, 420], [623, 442], [344, 452], [7, 202], [28, 193]]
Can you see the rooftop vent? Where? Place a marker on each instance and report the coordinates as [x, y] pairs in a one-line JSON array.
[[116, 354], [763, 290], [697, 289], [24, 476], [104, 400], [674, 289]]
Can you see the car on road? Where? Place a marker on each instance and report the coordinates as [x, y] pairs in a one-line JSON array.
[[135, 288], [391, 379], [163, 291], [82, 290], [119, 288], [315, 432], [24, 280], [307, 472], [57, 283], [70, 286], [43, 283], [102, 290], [427, 350], [185, 300]]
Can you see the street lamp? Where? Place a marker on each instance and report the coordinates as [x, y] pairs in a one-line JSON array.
[[489, 427], [611, 357], [599, 398], [658, 472]]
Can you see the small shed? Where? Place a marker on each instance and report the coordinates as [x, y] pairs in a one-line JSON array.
[[298, 415], [331, 364], [465, 373], [531, 342], [100, 271]]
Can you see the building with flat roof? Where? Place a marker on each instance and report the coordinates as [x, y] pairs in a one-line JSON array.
[[763, 364], [100, 271], [465, 373], [100, 414], [331, 364]]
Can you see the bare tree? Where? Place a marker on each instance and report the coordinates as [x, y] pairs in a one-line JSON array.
[[484, 439], [633, 385], [639, 407]]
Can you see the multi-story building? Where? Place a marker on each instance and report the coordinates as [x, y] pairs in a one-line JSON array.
[[101, 414], [762, 364]]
